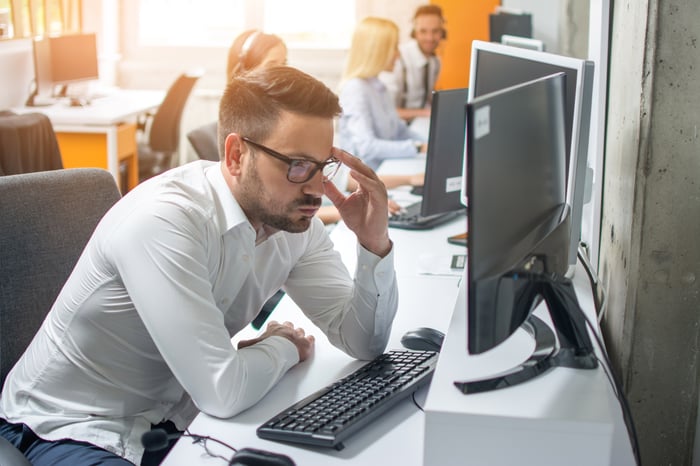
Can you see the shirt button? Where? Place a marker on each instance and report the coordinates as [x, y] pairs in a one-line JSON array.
[[245, 258]]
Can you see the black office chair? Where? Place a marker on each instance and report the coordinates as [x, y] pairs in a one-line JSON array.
[[163, 128], [204, 140], [46, 218]]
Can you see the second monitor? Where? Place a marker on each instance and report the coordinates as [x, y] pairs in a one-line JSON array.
[[441, 199]]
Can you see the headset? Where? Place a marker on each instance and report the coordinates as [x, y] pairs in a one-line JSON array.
[[248, 44], [429, 10]]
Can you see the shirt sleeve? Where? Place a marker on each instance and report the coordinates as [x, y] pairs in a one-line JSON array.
[[160, 255], [356, 315]]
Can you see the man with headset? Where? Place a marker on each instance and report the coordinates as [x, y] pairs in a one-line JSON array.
[[417, 69]]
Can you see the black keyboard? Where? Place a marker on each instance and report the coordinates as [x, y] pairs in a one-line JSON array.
[[331, 415], [411, 218]]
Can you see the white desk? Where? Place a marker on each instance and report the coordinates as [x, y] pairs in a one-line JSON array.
[[564, 416], [103, 133], [425, 300]]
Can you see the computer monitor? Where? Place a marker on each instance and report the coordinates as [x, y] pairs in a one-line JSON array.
[[496, 66], [524, 42], [60, 61], [518, 222], [444, 157]]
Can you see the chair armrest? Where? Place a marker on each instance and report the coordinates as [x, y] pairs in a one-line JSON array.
[[10, 455]]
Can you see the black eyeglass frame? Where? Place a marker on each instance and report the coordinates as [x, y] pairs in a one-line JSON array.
[[295, 162]]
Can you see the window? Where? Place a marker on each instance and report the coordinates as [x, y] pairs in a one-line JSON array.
[[26, 18], [211, 23]]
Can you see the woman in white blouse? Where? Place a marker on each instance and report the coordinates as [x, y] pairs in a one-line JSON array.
[[369, 126]]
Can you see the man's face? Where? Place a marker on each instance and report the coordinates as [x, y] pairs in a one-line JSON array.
[[265, 194], [428, 32]]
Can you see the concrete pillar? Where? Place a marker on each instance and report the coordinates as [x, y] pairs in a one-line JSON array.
[[650, 234]]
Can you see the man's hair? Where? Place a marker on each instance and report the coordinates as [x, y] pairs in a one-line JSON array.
[[373, 44], [253, 102], [428, 10]]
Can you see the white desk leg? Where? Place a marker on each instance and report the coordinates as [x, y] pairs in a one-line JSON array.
[[112, 154]]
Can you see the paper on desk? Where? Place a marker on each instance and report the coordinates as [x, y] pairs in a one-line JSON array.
[[437, 264]]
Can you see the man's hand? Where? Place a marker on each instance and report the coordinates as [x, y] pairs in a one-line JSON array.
[[304, 343], [365, 210]]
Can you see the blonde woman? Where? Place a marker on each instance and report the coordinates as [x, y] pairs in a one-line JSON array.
[[370, 126]]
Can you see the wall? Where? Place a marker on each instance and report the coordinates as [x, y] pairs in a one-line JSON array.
[[650, 260], [465, 22]]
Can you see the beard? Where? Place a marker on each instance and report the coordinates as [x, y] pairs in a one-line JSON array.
[[259, 205]]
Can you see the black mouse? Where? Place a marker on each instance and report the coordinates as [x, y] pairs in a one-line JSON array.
[[423, 338], [255, 457]]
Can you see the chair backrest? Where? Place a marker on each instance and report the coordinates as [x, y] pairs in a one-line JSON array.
[[205, 141], [164, 132], [28, 143], [46, 218]]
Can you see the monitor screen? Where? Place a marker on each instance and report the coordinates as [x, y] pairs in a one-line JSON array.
[[496, 66], [517, 203], [62, 60], [443, 167]]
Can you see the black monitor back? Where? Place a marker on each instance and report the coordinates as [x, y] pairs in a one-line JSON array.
[[517, 199], [445, 155]]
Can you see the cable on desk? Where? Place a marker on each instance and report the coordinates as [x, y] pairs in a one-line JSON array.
[[599, 295]]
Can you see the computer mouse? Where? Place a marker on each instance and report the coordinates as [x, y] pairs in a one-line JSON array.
[[255, 457], [423, 338]]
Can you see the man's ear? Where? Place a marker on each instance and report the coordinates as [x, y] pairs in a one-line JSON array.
[[233, 149]]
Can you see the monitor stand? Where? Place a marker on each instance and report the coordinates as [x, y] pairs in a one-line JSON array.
[[574, 350], [36, 100]]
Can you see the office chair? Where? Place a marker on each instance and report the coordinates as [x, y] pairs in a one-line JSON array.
[[204, 140], [162, 128], [46, 218], [28, 143]]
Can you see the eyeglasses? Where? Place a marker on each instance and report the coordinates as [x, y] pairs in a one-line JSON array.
[[301, 170]]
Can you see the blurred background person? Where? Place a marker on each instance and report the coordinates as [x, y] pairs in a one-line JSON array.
[[252, 49], [413, 78], [369, 125]]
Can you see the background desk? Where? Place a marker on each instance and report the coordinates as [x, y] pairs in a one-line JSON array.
[[103, 133], [425, 300]]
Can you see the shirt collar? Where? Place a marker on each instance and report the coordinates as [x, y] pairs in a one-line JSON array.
[[229, 208], [414, 54]]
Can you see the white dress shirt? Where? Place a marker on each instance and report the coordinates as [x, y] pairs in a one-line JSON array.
[[369, 126], [406, 84], [141, 332]]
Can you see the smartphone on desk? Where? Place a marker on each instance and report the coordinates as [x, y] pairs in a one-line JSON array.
[[459, 239]]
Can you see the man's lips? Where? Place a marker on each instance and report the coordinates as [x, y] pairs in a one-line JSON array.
[[309, 210]]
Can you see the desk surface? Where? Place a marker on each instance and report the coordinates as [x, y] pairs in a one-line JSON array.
[[113, 108], [425, 300], [430, 296]]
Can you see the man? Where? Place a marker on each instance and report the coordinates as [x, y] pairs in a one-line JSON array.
[[417, 69], [140, 334]]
